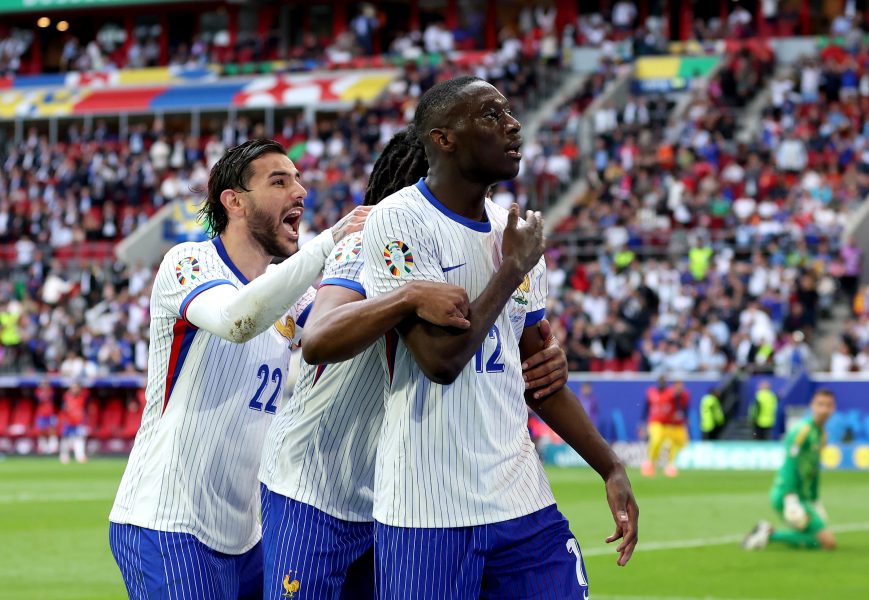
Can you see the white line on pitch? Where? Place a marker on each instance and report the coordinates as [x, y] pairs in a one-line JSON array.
[[701, 542]]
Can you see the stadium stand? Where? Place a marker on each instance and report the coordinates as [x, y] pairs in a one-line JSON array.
[[691, 251]]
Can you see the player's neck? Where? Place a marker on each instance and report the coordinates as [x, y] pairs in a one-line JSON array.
[[460, 196], [245, 252]]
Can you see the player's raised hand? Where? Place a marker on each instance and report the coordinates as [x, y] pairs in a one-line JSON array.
[[546, 371], [524, 244], [350, 223], [440, 303], [626, 514]]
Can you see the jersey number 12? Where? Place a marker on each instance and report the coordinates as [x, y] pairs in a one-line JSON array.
[[493, 364]]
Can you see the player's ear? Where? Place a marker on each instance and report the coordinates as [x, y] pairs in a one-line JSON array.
[[443, 138], [231, 200]]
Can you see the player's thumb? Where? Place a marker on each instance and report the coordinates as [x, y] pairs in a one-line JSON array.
[[513, 216], [544, 327]]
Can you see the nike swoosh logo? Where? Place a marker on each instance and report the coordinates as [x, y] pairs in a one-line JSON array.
[[448, 269]]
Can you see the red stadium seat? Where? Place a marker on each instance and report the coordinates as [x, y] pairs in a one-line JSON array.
[[21, 423], [132, 420], [112, 418], [5, 414]]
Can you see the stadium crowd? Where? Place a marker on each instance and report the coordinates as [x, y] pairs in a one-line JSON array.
[[712, 252], [692, 250]]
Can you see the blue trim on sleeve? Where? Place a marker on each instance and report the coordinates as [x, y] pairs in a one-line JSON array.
[[224, 255], [303, 318], [482, 226], [345, 283], [198, 290], [533, 318]]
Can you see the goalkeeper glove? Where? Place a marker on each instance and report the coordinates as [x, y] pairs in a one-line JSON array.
[[819, 508], [794, 512]]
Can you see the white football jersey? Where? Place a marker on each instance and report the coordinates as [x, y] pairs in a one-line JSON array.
[[321, 446], [209, 402], [460, 454]]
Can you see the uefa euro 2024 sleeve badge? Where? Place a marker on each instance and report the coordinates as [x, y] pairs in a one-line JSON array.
[[398, 257], [187, 270]]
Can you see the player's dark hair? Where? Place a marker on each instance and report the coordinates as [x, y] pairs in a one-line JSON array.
[[436, 103], [232, 172], [402, 163], [824, 392]]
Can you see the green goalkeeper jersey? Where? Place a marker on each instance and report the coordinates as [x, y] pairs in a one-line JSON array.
[[801, 470]]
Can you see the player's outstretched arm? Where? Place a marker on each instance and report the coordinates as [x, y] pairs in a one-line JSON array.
[[441, 352], [239, 315], [343, 322], [563, 412]]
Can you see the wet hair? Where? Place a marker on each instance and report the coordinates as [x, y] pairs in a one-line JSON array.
[[402, 163], [437, 102], [232, 172]]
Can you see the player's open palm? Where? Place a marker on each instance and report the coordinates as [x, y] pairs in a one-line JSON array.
[[350, 223], [441, 303], [524, 244]]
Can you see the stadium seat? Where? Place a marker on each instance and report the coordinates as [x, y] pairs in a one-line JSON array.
[[21, 422], [5, 414], [112, 420], [132, 420]]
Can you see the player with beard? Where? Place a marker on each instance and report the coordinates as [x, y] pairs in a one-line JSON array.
[[185, 522]]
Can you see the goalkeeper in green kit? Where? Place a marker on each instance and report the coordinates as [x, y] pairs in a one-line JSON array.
[[794, 494]]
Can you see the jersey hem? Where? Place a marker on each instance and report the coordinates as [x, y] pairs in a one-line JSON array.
[[145, 524]]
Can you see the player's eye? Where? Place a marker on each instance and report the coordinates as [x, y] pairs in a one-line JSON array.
[[278, 182]]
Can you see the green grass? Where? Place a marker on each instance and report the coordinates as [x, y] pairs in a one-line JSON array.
[[54, 535]]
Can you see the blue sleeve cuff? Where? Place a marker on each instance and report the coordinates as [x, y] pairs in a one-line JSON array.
[[303, 318], [347, 283], [533, 318], [198, 290]]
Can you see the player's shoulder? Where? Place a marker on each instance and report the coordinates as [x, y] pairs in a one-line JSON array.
[[408, 201], [801, 431], [347, 250], [188, 255]]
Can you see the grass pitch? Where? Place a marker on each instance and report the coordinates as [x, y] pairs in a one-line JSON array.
[[54, 535]]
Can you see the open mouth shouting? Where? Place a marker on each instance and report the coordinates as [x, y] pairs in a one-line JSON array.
[[291, 221]]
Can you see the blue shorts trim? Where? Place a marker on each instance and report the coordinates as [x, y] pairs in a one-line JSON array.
[[161, 564], [313, 555], [531, 557]]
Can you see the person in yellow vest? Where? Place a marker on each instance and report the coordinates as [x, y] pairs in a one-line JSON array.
[[699, 260], [711, 415], [763, 412], [10, 336]]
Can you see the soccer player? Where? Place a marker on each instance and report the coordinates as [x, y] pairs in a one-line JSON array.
[[72, 423], [665, 411], [318, 528], [46, 418], [185, 523], [462, 506], [795, 492]]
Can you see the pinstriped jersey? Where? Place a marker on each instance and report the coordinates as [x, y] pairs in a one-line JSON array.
[[320, 449], [208, 405], [460, 454]]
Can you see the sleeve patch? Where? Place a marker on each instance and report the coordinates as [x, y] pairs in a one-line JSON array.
[[398, 257]]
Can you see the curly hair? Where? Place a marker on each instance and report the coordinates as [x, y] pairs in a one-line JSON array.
[[232, 172], [402, 163]]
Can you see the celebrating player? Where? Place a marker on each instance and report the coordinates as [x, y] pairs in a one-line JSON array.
[[318, 460], [185, 523], [461, 500], [795, 493]]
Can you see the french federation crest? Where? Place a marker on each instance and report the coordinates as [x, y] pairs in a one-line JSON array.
[[291, 586], [187, 270], [520, 296], [286, 327], [398, 257]]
